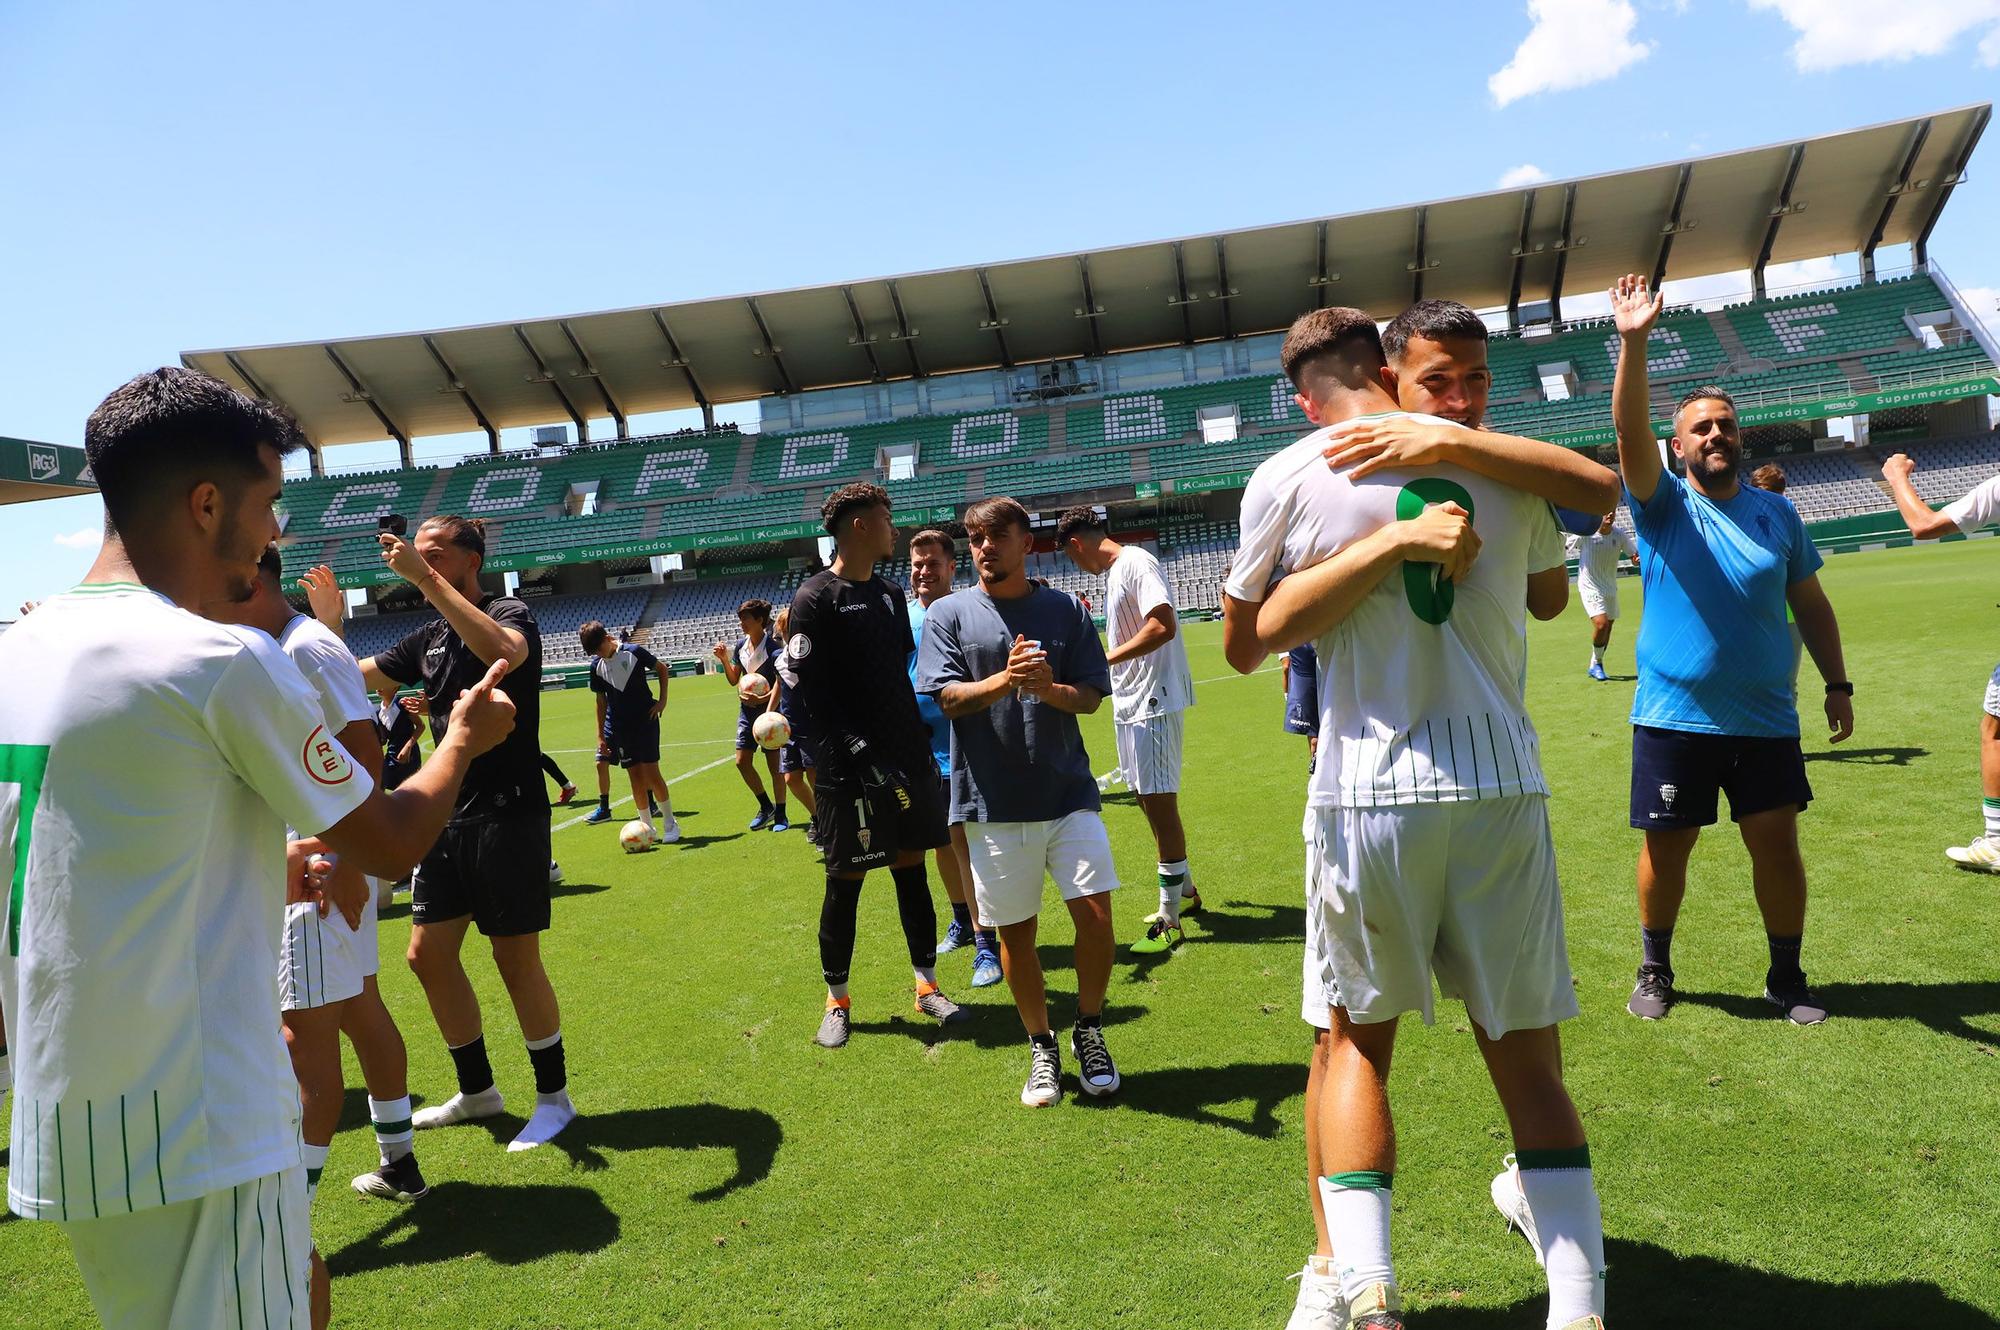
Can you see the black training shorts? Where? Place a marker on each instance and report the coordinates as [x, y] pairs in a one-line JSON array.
[[494, 869], [633, 745], [862, 827], [1676, 775]]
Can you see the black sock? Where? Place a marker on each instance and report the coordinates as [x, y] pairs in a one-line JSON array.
[[780, 808], [763, 802], [1785, 958], [475, 1073], [1084, 1022], [652, 805], [836, 927], [551, 1072], [1043, 1040], [985, 939], [1658, 944], [918, 913], [961, 914], [604, 802]]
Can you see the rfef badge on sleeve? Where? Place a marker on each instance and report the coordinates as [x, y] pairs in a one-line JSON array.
[[325, 761]]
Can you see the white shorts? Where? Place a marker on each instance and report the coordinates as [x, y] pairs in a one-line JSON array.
[[1598, 600], [1992, 691], [1464, 891], [1009, 860], [1316, 1006], [233, 1257], [1149, 753], [323, 961]]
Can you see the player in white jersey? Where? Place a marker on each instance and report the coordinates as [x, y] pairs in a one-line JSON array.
[[1428, 851], [1151, 687], [1597, 558], [161, 1127], [1968, 513]]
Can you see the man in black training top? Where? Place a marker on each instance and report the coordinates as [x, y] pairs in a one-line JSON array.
[[879, 803], [628, 722], [491, 865]]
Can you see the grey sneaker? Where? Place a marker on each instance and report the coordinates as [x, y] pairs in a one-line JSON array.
[[833, 1026], [932, 1002], [1800, 1005], [1653, 994]]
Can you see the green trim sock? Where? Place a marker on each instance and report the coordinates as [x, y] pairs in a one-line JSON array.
[[1990, 808], [315, 1165], [1562, 1196], [393, 1134], [1173, 877], [1357, 1219]]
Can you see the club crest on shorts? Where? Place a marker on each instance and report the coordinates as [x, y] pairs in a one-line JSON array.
[[324, 760], [1667, 793]]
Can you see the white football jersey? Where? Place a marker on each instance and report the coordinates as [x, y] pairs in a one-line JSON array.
[[1158, 682], [149, 761], [1978, 507], [1597, 559], [1420, 687]]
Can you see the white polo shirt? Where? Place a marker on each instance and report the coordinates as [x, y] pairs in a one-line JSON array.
[[1159, 682], [1420, 687], [149, 762]]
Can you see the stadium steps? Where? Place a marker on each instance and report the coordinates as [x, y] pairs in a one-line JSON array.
[[654, 609], [433, 496], [1058, 431], [1732, 342], [739, 476]]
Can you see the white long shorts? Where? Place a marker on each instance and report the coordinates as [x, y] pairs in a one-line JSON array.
[[1009, 860], [1598, 600], [1464, 891], [233, 1257], [1317, 1002], [1149, 753], [323, 961]]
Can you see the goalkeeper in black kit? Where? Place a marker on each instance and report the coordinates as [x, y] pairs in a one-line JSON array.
[[845, 667]]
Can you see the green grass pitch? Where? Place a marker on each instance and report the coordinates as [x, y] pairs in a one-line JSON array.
[[728, 1173]]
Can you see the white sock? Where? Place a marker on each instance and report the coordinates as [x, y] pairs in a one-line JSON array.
[[552, 1113], [1173, 881], [391, 1120], [1571, 1227], [837, 991], [1596, 654], [315, 1165], [926, 974], [646, 816], [1357, 1220]]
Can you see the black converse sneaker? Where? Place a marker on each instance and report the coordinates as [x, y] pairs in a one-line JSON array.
[[1095, 1070], [1044, 1087]]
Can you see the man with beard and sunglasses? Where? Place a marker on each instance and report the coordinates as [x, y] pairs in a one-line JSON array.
[[1715, 711]]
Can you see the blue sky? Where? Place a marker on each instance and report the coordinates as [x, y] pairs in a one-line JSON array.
[[206, 174]]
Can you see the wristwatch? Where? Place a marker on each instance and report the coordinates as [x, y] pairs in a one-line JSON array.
[[1842, 687]]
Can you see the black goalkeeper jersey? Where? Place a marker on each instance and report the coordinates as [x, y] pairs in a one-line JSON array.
[[846, 670]]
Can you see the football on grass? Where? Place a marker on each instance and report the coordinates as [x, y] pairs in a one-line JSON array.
[[635, 836], [771, 730]]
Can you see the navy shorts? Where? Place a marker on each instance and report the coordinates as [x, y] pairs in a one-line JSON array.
[[1676, 775], [633, 745], [795, 756]]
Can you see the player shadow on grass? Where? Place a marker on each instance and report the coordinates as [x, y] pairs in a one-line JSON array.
[[510, 1225], [1652, 1288], [751, 1134], [995, 1025], [1870, 757], [1194, 1094], [1948, 1008], [569, 887]]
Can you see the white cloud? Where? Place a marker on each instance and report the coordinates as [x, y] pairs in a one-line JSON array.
[[1836, 33], [1572, 44], [80, 539], [1527, 173]]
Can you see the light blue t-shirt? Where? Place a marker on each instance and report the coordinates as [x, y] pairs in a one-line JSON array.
[[1715, 656], [927, 705]]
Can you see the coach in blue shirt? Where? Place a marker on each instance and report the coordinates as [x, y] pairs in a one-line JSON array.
[[1715, 712]]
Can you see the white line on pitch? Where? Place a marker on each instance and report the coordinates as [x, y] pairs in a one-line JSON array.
[[682, 743], [619, 803]]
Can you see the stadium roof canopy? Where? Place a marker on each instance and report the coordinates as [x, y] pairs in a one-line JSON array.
[[30, 470], [1839, 193]]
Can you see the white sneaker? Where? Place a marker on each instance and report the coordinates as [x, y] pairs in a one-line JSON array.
[[552, 1113], [1320, 1306], [459, 1108], [1512, 1203], [669, 832], [555, 873], [1982, 855]]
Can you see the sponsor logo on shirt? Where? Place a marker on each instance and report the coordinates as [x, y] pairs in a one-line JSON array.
[[323, 759], [853, 609]]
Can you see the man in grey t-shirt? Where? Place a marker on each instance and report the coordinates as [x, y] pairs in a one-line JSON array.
[[1013, 665]]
